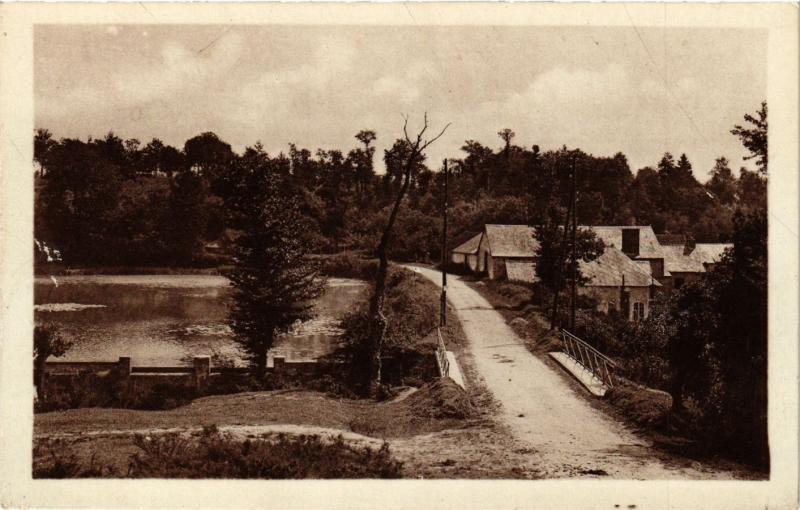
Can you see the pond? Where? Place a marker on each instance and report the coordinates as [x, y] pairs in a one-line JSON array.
[[165, 320]]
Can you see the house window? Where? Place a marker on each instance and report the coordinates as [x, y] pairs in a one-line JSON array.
[[638, 311]]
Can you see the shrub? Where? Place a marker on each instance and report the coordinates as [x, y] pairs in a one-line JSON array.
[[348, 264], [215, 455], [163, 397], [48, 463]]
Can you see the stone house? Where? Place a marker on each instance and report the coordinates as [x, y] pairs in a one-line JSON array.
[[615, 280], [686, 262], [467, 253]]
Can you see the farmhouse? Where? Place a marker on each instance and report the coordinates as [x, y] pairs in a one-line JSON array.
[[467, 253], [615, 280], [687, 261]]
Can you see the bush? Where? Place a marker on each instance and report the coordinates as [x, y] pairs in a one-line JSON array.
[[48, 463], [348, 264], [162, 397], [644, 406], [214, 455]]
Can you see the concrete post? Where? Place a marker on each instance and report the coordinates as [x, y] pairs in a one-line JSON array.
[[124, 367], [124, 374], [202, 371]]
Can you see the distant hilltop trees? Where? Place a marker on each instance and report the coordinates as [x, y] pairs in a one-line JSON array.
[[109, 201]]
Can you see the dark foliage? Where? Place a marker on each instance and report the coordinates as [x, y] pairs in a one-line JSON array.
[[274, 283], [46, 342]]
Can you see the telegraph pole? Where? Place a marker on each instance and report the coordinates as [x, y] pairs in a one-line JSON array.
[[574, 243], [443, 307]]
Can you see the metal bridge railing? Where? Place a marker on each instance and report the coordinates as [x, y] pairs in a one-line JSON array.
[[441, 356], [588, 357]]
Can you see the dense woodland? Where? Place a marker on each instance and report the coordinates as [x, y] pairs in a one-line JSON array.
[[110, 201]]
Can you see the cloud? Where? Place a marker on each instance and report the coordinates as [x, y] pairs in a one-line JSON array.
[[178, 71]]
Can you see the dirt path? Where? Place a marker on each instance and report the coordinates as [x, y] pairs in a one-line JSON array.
[[571, 437]]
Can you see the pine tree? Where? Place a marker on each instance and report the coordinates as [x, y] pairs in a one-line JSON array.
[[274, 284]]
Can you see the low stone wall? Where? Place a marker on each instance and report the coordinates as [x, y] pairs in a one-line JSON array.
[[121, 380]]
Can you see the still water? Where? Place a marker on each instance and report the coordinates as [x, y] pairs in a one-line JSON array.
[[164, 320]]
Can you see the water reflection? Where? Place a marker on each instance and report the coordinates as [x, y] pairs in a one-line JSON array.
[[165, 320]]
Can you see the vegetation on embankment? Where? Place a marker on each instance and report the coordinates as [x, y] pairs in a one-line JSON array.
[[411, 309], [211, 454], [438, 406]]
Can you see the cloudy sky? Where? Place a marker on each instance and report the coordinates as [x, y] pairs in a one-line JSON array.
[[604, 90]]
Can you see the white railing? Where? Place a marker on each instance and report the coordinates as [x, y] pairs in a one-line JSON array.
[[588, 357], [441, 356]]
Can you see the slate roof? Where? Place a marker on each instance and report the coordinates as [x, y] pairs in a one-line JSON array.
[[676, 262], [516, 241], [709, 253], [664, 239], [649, 247], [470, 247], [511, 240], [608, 269]]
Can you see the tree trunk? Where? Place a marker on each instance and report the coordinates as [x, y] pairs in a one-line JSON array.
[[377, 328], [261, 358]]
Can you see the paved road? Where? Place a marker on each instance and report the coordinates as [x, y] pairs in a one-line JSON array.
[[572, 438]]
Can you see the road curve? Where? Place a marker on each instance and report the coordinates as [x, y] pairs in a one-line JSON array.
[[572, 438]]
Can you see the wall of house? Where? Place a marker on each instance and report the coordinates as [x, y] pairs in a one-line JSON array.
[[497, 267], [608, 298], [483, 254], [472, 262], [672, 282], [458, 258]]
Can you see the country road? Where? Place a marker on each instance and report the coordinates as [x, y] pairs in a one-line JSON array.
[[541, 409]]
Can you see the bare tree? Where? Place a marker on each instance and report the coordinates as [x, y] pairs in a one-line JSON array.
[[377, 328]]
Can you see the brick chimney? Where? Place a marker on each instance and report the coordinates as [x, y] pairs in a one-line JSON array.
[[688, 248]]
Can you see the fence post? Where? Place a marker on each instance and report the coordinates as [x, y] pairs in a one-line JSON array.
[[202, 371]]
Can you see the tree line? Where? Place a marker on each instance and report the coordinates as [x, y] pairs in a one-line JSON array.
[[110, 201]]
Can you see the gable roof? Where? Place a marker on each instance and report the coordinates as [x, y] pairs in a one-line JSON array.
[[608, 270], [469, 247], [676, 262], [709, 253], [649, 247], [511, 240]]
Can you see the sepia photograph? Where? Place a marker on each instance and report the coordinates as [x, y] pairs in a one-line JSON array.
[[449, 251]]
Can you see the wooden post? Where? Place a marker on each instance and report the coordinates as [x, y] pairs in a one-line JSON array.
[[443, 305], [574, 241]]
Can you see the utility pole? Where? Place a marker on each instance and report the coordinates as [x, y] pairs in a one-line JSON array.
[[574, 242], [443, 306]]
